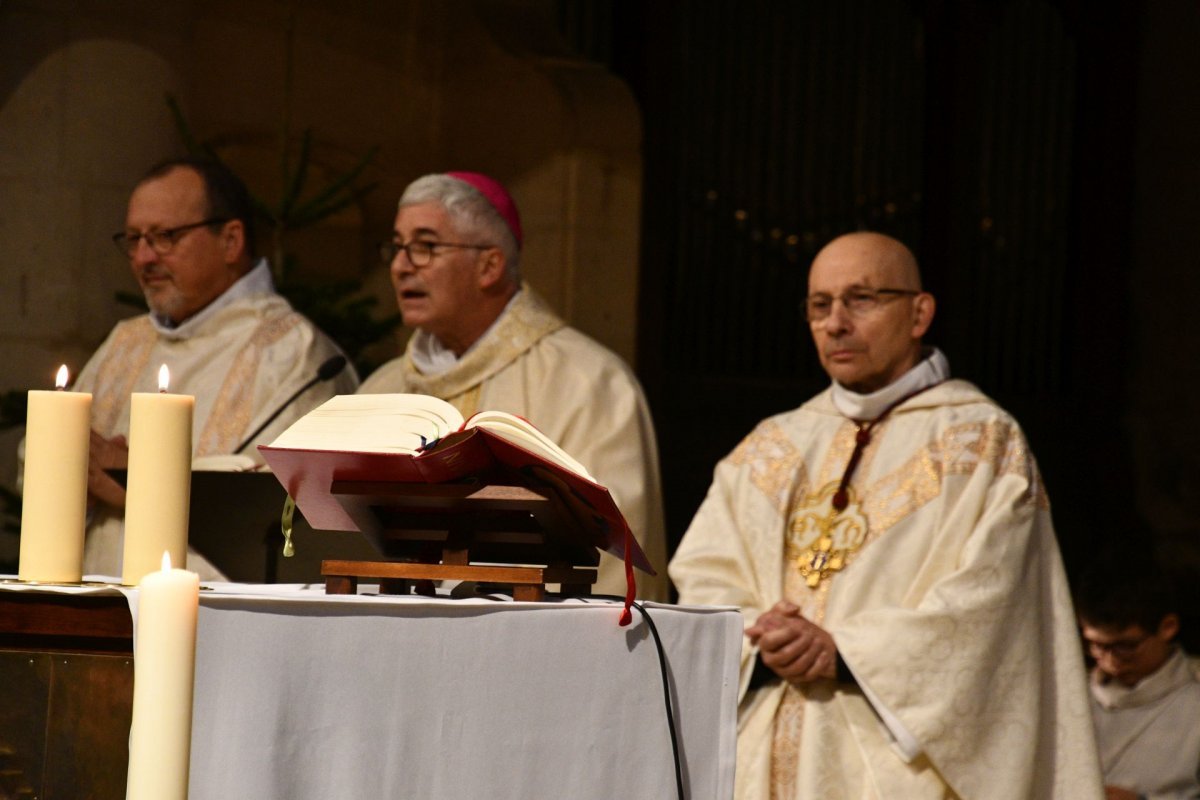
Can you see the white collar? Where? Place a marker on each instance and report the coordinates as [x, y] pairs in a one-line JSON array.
[[931, 370], [257, 281], [431, 357], [1174, 672]]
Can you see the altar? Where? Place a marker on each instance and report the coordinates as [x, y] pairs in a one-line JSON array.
[[300, 695]]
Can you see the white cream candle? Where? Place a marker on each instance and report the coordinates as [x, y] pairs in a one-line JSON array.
[[54, 506], [164, 671], [158, 491]]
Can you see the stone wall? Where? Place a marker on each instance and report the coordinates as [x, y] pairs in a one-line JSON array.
[[434, 84]]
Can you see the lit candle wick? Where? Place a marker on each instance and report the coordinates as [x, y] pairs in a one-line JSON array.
[[164, 379], [60, 381]]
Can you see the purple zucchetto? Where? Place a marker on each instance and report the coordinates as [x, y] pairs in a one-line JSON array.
[[497, 195]]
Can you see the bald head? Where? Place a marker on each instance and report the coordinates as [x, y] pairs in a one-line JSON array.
[[867, 311], [886, 258]]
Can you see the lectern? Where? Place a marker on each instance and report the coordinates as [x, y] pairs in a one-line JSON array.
[[472, 506], [513, 536]]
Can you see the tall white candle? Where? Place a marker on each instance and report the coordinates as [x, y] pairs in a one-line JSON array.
[[158, 491], [54, 506], [164, 671]]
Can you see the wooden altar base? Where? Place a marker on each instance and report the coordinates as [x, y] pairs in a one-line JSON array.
[[528, 583]]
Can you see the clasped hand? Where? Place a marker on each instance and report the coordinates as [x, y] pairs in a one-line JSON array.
[[796, 649]]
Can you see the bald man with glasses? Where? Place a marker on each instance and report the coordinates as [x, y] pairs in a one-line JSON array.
[[215, 320], [909, 629]]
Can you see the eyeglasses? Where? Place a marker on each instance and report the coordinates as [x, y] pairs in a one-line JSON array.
[[1122, 651], [162, 241], [421, 253], [858, 302]]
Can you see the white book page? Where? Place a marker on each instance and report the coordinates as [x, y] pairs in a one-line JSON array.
[[526, 435], [372, 423]]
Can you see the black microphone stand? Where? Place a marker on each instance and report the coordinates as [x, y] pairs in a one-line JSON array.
[[327, 371]]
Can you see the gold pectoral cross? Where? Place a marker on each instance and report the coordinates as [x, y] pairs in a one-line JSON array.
[[820, 560], [825, 534]]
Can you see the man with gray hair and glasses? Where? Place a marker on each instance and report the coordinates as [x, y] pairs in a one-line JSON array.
[[218, 324], [909, 629], [485, 340]]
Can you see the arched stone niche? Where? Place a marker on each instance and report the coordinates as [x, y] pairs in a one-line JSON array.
[[435, 85], [74, 134]]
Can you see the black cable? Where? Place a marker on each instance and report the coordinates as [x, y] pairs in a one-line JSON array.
[[662, 668], [329, 369]]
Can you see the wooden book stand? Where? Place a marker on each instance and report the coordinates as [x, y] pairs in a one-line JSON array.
[[514, 536]]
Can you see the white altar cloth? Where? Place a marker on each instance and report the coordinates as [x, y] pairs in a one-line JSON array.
[[304, 695], [301, 695]]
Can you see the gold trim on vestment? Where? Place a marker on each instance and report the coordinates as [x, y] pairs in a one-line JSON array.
[[821, 543], [776, 465], [522, 325], [124, 361], [233, 409]]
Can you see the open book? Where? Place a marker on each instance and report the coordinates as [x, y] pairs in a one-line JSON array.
[[411, 424], [411, 438]]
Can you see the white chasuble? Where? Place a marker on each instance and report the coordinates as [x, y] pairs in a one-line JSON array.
[[241, 362], [577, 392], [942, 586]]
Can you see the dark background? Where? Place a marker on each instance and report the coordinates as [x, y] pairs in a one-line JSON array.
[[1002, 141]]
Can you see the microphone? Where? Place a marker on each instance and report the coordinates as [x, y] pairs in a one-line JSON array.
[[330, 369]]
